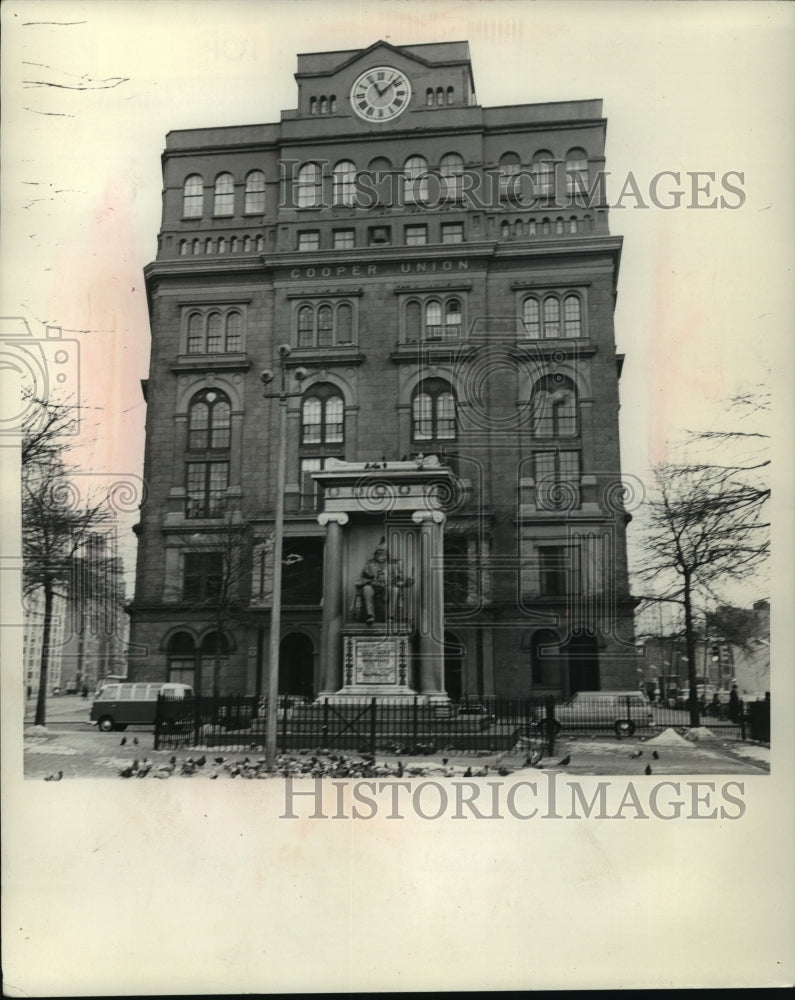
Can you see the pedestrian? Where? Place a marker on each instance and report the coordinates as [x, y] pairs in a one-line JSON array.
[[84, 692]]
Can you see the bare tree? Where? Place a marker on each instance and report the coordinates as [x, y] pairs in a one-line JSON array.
[[706, 526], [56, 523]]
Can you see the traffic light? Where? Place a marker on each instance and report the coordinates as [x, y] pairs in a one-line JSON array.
[[715, 652]]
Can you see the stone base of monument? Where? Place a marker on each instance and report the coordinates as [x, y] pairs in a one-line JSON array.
[[375, 664]]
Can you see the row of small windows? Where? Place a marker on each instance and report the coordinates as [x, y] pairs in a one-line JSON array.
[[222, 245], [416, 173], [545, 227], [552, 317], [214, 332], [223, 195], [439, 97], [345, 239], [324, 325], [323, 105]]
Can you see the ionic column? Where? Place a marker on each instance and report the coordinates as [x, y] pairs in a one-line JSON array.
[[330, 636], [431, 611]]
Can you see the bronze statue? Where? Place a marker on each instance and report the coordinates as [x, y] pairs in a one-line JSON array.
[[379, 590]]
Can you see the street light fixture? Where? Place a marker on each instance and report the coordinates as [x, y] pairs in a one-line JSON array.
[[267, 377]]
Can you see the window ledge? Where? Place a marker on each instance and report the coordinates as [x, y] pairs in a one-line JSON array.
[[210, 362], [343, 355]]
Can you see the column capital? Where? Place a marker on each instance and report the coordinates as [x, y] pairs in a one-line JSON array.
[[437, 516], [325, 517]]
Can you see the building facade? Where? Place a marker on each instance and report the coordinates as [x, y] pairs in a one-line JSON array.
[[443, 280]]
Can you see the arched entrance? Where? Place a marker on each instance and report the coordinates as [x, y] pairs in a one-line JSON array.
[[583, 655], [453, 666], [297, 665], [545, 660]]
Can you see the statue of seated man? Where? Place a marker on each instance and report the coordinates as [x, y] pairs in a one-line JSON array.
[[379, 589]]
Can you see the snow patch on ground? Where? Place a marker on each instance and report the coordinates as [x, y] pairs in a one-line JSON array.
[[752, 752], [699, 733], [669, 738], [53, 748]]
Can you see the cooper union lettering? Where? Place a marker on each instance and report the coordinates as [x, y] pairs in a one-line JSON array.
[[384, 389]]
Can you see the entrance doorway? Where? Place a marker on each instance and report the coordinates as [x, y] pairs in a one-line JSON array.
[[297, 665], [453, 666], [583, 654]]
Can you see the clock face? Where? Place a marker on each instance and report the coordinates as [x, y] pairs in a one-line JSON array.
[[380, 94]]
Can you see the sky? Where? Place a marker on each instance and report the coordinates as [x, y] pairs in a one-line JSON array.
[[91, 89]]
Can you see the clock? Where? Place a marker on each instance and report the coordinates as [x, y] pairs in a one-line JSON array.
[[380, 94]]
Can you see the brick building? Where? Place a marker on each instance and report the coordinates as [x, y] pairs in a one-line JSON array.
[[445, 279]]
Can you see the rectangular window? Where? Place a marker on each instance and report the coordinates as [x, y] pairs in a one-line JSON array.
[[553, 565], [309, 240], [206, 487], [453, 232], [344, 239], [379, 236], [416, 236], [202, 576], [309, 487], [557, 480]]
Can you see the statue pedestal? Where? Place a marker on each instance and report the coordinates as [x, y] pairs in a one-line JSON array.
[[375, 664]]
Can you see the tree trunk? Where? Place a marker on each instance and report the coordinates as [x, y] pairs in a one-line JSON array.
[[690, 645], [41, 700]]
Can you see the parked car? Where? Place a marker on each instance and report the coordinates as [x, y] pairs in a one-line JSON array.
[[623, 711]]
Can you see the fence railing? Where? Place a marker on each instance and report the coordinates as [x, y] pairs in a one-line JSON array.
[[410, 725]]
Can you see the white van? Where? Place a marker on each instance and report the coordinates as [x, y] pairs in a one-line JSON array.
[[119, 705]]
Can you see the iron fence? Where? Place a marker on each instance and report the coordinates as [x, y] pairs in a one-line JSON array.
[[410, 725]]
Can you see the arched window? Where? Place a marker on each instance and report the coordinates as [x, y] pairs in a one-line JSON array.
[[209, 421], [181, 655], [234, 244], [433, 320], [193, 197], [332, 104], [573, 224], [415, 179], [344, 183], [509, 167], [558, 227], [545, 227], [224, 201], [452, 320], [323, 106], [306, 327], [214, 333], [518, 228], [260, 244], [308, 186], [450, 93], [322, 416], [221, 244], [531, 227], [312, 105], [344, 323], [429, 97], [208, 246], [246, 244], [197, 247], [551, 317], [555, 407], [505, 230], [440, 96], [413, 322], [234, 332], [531, 318], [543, 171], [572, 316], [433, 411], [255, 193], [451, 167], [195, 334], [183, 247], [576, 172], [325, 327]]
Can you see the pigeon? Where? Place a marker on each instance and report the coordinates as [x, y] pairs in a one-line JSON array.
[[655, 755], [468, 772], [123, 741], [444, 761], [399, 769], [54, 777], [503, 771], [565, 762], [201, 761], [135, 741], [636, 753], [128, 772], [648, 769], [219, 760]]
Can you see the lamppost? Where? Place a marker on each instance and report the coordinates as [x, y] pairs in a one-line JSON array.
[[266, 377]]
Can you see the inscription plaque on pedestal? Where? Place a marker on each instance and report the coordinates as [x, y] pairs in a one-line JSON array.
[[376, 665]]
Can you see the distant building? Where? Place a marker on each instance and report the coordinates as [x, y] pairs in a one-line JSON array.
[[445, 274]]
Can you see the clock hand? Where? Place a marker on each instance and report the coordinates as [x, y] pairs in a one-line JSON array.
[[386, 88]]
